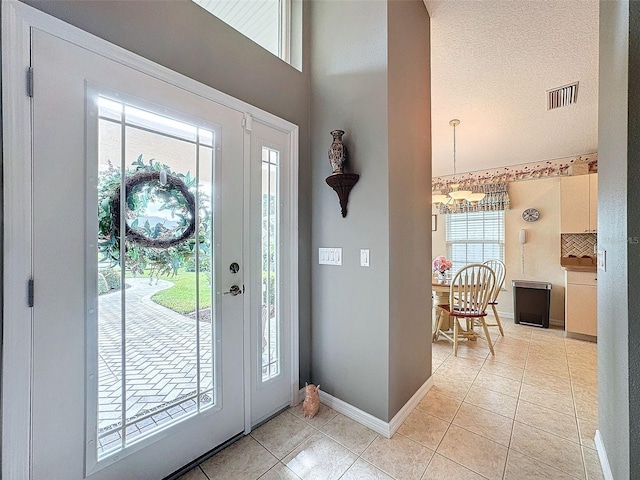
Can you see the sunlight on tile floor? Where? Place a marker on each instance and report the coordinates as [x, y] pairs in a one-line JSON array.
[[530, 412]]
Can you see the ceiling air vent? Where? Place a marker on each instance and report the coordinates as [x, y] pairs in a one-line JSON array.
[[562, 96]]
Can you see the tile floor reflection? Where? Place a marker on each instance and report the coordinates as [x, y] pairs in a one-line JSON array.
[[530, 412]]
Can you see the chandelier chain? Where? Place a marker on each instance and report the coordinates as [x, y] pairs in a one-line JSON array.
[[454, 149], [458, 197]]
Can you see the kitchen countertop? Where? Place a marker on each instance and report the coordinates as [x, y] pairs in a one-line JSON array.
[[579, 264], [580, 268]]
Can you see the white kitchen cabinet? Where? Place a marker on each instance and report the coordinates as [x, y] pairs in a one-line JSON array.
[[593, 202], [579, 204], [581, 303]]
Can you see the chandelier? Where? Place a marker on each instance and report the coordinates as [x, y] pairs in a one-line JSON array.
[[456, 197]]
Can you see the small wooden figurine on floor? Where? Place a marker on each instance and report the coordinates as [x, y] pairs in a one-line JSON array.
[[311, 403]]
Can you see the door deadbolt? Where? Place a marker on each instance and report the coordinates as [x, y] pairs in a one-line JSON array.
[[234, 290], [234, 267]]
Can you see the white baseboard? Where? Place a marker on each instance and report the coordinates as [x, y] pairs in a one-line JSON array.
[[301, 395], [602, 455], [556, 322], [408, 407], [383, 428], [580, 336], [552, 321]]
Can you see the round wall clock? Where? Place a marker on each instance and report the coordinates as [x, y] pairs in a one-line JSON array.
[[530, 215]]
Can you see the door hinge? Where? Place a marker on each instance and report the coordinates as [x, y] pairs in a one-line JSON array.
[[247, 122], [30, 82], [30, 293]]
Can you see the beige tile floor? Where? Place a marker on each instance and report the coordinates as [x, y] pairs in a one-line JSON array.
[[530, 412]]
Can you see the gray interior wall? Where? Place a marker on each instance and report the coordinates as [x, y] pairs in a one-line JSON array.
[[350, 304], [633, 231], [180, 35], [370, 325], [617, 367], [1, 257], [409, 104]]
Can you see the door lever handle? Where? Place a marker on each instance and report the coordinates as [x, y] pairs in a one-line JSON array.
[[234, 290]]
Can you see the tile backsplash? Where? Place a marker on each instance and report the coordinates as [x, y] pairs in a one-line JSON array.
[[578, 244]]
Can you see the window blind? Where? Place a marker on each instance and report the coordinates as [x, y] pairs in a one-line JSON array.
[[474, 237]]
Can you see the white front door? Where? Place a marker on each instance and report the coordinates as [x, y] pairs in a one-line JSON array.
[[136, 370]]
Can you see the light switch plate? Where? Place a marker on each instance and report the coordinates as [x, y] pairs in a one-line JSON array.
[[602, 260], [330, 256], [364, 257]]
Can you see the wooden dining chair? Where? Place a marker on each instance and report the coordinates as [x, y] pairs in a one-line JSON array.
[[499, 270], [469, 294]]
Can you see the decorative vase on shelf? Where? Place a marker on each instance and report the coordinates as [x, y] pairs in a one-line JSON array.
[[337, 152]]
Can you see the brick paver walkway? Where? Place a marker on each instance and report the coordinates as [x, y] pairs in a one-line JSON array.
[[160, 358]]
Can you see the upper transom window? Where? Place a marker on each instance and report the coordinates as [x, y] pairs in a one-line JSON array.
[[266, 22]]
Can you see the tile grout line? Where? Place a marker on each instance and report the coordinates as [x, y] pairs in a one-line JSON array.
[[199, 467], [515, 413], [435, 452], [483, 361], [358, 456], [550, 433], [575, 407], [450, 422], [514, 420]]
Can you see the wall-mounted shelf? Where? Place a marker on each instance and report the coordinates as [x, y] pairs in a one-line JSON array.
[[342, 183]]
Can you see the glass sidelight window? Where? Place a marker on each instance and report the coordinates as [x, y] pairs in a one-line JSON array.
[[271, 332], [155, 325]]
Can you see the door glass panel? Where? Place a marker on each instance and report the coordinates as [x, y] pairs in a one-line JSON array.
[[271, 334], [156, 331]]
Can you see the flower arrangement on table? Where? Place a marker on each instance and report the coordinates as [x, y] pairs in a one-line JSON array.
[[440, 264]]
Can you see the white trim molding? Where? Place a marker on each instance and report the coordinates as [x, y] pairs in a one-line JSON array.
[[602, 455], [413, 402], [293, 276], [504, 314], [386, 429], [555, 322], [17, 317]]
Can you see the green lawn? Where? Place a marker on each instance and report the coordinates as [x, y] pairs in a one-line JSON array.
[[181, 297]]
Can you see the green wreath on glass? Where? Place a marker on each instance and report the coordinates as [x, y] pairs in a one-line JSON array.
[[170, 188]]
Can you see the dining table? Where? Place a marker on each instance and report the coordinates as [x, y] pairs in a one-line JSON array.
[[440, 289]]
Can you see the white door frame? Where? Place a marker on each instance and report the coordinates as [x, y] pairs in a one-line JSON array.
[[17, 21]]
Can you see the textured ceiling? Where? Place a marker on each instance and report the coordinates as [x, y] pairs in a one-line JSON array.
[[492, 62]]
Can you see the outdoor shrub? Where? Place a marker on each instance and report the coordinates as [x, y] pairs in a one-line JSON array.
[[204, 260], [272, 288], [190, 265], [103, 286], [112, 277]]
